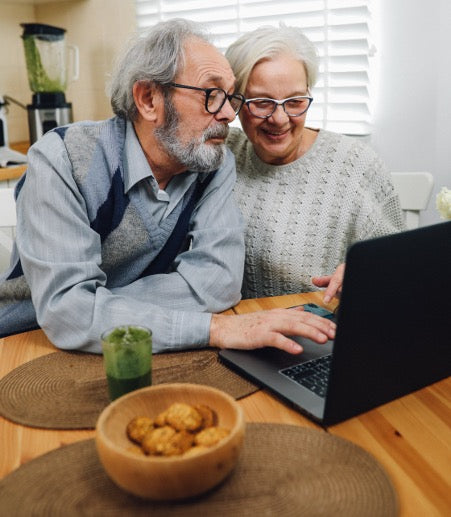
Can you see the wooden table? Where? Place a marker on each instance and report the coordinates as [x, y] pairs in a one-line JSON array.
[[411, 436]]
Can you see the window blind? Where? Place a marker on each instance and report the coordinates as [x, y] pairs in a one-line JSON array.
[[342, 30]]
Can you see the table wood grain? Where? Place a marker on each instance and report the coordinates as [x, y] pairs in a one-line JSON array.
[[410, 437]]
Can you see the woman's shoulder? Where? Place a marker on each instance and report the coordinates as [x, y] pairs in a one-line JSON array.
[[356, 144], [356, 154], [353, 151]]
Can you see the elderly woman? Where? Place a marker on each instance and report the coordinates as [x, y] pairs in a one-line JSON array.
[[306, 194]]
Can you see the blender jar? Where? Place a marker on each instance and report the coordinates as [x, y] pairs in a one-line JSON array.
[[45, 56]]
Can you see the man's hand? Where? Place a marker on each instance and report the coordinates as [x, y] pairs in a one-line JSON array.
[[269, 328], [333, 283]]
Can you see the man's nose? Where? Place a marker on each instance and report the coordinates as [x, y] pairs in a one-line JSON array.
[[226, 112]]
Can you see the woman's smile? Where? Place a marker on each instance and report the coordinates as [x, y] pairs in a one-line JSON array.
[[275, 134]]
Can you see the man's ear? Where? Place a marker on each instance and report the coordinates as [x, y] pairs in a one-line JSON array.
[[148, 100]]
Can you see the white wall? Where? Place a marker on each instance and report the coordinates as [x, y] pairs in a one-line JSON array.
[[413, 101]]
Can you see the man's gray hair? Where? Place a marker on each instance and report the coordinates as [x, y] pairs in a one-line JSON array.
[[155, 57], [267, 42]]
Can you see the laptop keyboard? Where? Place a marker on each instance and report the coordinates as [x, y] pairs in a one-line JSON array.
[[313, 374]]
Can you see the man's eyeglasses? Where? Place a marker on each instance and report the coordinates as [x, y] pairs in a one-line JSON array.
[[262, 107], [215, 98]]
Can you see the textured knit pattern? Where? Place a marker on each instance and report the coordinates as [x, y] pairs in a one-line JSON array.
[[301, 217]]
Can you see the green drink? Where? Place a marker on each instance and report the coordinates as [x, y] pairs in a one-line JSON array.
[[37, 74], [127, 357]]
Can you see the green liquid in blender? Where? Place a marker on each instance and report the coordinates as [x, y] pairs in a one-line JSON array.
[[37, 76]]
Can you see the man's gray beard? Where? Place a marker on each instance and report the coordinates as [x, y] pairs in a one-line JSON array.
[[195, 155]]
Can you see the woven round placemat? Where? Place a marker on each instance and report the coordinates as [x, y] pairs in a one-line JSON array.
[[283, 470], [68, 390]]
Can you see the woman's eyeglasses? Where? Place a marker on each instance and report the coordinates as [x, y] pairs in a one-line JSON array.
[[262, 107]]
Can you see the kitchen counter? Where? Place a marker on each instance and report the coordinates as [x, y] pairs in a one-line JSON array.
[[13, 173]]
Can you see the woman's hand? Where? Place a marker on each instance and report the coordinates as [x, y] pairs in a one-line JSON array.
[[333, 283]]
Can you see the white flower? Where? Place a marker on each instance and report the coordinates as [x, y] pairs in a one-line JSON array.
[[443, 203]]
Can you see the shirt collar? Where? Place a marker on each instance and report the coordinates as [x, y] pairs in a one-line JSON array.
[[136, 166]]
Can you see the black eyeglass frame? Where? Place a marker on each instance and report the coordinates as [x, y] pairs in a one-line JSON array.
[[277, 103], [208, 92]]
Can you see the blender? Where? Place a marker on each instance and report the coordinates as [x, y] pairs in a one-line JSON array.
[[45, 55]]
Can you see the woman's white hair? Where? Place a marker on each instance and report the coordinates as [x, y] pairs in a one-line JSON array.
[[267, 42], [156, 57]]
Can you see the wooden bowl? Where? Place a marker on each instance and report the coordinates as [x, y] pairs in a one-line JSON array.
[[175, 477]]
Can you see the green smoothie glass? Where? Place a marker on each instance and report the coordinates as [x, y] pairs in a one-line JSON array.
[[127, 357]]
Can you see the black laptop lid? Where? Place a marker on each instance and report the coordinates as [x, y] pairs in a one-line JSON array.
[[408, 275]]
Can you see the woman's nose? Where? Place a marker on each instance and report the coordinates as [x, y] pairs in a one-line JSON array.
[[279, 116]]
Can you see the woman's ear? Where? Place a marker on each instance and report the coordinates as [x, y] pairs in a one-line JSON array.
[[148, 100]]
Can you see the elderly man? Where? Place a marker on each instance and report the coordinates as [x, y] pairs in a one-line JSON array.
[[132, 220]]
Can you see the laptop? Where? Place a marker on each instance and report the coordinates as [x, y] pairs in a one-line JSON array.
[[393, 331]]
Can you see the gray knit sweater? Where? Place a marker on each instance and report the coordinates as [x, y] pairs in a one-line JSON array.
[[301, 217]]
